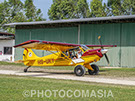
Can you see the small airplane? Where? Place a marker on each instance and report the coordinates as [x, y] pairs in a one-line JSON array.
[[64, 54]]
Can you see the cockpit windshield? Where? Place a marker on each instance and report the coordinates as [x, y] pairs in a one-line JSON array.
[[84, 47]]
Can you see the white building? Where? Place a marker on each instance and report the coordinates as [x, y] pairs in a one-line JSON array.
[[6, 46]]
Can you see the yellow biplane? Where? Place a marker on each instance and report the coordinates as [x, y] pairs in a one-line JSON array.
[[65, 54]]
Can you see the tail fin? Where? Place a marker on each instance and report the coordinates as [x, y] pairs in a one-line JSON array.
[[28, 54]]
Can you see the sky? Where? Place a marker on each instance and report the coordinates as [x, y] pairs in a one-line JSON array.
[[44, 5]]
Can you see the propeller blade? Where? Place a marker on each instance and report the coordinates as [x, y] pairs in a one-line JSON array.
[[107, 58], [99, 38]]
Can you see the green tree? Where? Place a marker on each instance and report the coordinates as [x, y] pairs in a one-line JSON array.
[[39, 15], [11, 11], [115, 7], [15, 11], [15, 7], [30, 10], [129, 7], [82, 9], [1, 12], [67, 9], [97, 9], [61, 9], [32, 14], [4, 11]]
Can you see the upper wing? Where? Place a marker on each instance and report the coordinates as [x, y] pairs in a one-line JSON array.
[[52, 46], [46, 45], [99, 46]]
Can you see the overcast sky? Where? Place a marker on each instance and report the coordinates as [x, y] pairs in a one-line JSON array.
[[44, 5]]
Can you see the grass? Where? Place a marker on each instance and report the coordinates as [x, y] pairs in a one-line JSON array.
[[12, 87], [11, 63], [118, 72]]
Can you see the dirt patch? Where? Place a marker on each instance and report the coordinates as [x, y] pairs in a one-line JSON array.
[[62, 72], [69, 77], [32, 69]]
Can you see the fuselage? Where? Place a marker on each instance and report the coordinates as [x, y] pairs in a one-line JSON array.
[[57, 59]]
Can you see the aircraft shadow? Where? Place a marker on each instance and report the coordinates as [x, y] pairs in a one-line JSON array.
[[43, 73]]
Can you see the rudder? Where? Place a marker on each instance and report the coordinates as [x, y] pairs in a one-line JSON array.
[[28, 54]]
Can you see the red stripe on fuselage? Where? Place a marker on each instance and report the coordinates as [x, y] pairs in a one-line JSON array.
[[93, 52]]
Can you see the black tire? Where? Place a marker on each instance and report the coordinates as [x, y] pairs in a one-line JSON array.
[[95, 68], [79, 70], [25, 70]]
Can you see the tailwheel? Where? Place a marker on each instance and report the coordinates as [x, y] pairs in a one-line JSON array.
[[79, 70], [25, 70], [95, 70]]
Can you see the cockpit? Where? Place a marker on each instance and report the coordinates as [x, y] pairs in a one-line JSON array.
[[76, 52], [84, 47]]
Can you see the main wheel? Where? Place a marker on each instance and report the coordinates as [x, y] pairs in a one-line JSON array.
[[95, 70], [79, 70]]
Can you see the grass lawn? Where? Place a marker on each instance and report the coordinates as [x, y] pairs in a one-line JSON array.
[[12, 87], [11, 63], [118, 72]]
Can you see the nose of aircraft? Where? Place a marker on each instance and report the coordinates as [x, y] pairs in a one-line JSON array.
[[103, 51]]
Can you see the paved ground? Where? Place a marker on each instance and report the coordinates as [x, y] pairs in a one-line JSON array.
[[66, 76]]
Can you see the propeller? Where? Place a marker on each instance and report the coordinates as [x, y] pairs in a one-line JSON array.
[[99, 38], [100, 42], [107, 59]]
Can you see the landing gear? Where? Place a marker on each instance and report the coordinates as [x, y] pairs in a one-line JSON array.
[[95, 70], [25, 70], [79, 70]]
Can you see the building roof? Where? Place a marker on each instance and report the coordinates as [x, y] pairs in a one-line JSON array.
[[6, 36], [95, 19]]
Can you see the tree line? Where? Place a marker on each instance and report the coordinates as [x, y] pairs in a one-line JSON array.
[[67, 9], [16, 11]]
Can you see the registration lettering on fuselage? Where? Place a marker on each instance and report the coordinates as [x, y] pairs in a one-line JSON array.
[[47, 61]]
